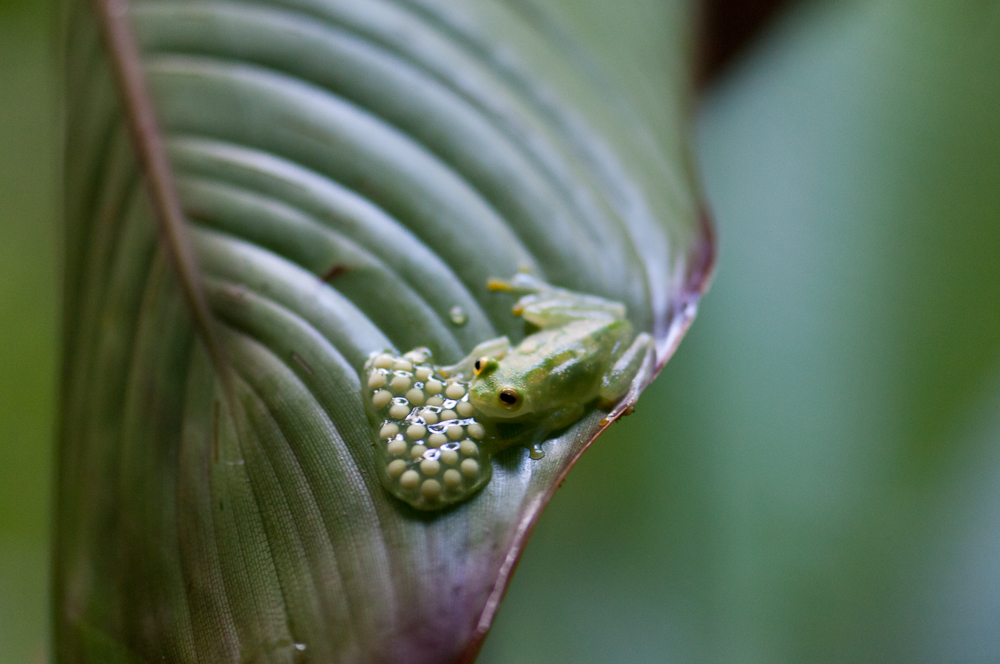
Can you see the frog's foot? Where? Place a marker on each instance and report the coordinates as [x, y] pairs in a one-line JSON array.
[[495, 348], [547, 306], [430, 449], [627, 377]]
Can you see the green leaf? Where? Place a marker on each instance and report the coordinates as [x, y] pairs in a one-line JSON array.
[[304, 183]]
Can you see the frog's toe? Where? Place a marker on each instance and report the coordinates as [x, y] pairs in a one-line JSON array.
[[521, 283]]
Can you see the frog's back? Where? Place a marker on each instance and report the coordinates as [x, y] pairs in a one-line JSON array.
[[571, 359]]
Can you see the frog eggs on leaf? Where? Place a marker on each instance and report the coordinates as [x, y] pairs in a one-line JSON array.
[[430, 450]]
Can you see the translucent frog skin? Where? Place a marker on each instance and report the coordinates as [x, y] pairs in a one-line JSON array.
[[437, 428], [585, 350]]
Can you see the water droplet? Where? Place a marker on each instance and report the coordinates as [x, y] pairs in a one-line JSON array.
[[300, 646], [536, 452], [458, 316]]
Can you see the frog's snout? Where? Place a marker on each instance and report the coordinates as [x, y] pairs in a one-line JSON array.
[[479, 396]]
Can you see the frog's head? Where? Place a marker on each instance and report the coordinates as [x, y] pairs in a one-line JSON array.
[[495, 393]]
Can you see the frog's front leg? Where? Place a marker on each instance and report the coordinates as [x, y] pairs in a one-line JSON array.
[[560, 419], [625, 380]]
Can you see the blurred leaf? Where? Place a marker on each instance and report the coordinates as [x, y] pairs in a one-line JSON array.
[[728, 28], [343, 174]]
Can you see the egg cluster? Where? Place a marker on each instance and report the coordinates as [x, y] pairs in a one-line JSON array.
[[429, 444]]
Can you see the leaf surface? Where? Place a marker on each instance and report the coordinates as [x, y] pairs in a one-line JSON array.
[[329, 179]]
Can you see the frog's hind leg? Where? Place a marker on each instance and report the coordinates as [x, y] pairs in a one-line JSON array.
[[551, 311], [627, 377], [547, 306]]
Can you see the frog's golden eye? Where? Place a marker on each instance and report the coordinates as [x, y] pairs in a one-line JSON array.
[[510, 398]]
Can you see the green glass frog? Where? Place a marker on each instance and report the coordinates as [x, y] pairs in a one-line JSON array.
[[437, 428], [585, 351]]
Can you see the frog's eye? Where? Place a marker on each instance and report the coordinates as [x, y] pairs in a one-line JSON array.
[[510, 398], [483, 365]]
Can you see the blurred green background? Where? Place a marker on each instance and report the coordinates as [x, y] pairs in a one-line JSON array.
[[28, 319], [815, 476]]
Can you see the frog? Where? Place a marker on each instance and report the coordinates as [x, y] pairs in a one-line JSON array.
[[437, 428], [584, 351]]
